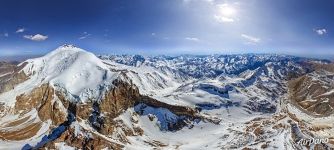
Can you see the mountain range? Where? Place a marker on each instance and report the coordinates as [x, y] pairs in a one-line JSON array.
[[73, 99]]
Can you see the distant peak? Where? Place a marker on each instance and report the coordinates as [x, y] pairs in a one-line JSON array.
[[67, 46]]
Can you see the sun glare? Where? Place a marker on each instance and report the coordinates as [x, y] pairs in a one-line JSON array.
[[227, 10]]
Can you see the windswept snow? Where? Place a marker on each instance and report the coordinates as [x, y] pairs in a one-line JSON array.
[[77, 72]]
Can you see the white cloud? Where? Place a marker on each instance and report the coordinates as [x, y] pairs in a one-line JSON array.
[[37, 37], [192, 39], [153, 34], [20, 30], [223, 19], [251, 39], [84, 36], [321, 31]]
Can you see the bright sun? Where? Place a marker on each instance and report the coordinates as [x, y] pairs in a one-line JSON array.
[[227, 10]]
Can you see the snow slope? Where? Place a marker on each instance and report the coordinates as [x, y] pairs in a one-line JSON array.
[[78, 72]]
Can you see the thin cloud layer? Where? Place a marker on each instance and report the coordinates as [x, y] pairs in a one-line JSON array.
[[251, 39], [20, 30], [192, 39], [84, 36], [223, 19]]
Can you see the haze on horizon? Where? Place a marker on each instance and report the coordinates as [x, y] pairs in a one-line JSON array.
[[150, 27]]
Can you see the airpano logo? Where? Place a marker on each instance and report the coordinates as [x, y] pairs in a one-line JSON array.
[[312, 141]]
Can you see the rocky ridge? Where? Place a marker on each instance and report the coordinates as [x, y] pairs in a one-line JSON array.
[[57, 110]]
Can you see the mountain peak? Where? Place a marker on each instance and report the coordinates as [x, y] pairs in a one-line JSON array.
[[68, 46], [70, 52], [67, 67], [65, 51]]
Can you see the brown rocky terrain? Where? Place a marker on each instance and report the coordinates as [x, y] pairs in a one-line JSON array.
[[50, 105], [10, 75], [313, 92]]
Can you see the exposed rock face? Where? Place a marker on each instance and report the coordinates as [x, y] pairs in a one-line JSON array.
[[10, 76], [25, 132], [123, 96], [79, 141], [101, 115], [53, 105], [6, 68], [314, 92], [119, 99], [44, 100], [83, 111], [321, 66]]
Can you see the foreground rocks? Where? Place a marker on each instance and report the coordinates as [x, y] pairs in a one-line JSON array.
[[66, 116]]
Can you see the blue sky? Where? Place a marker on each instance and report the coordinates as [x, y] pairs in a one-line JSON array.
[[297, 27]]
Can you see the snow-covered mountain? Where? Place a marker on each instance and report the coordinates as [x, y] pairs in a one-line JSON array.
[[71, 98]]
